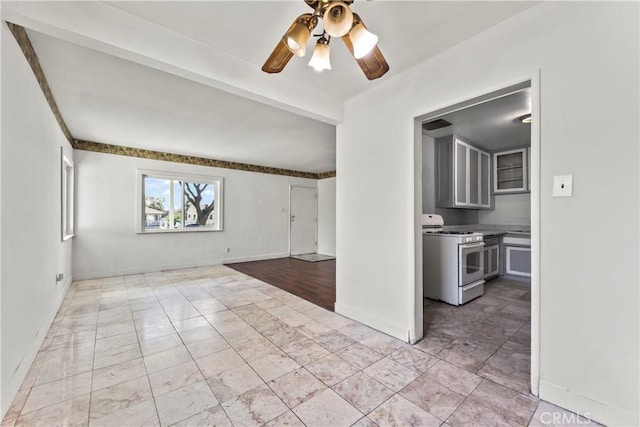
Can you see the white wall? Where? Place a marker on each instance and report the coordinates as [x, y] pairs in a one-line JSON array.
[[588, 56], [256, 219], [31, 249], [511, 209], [327, 216]]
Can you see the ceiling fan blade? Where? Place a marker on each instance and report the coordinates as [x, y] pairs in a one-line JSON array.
[[282, 54], [278, 58], [373, 64]]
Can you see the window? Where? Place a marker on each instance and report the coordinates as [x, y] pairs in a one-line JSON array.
[[170, 202], [67, 195]]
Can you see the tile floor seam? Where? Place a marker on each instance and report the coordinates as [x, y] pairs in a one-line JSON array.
[[21, 413], [220, 404], [457, 407], [534, 412], [24, 403], [53, 381], [95, 342], [285, 405], [381, 403], [153, 397], [186, 287]]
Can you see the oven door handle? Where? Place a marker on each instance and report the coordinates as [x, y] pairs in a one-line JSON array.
[[471, 245], [473, 285]]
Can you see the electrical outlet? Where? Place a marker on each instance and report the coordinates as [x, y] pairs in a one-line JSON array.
[[563, 186], [227, 250], [59, 277]]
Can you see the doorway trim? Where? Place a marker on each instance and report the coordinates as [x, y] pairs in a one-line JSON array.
[[315, 189], [532, 81]]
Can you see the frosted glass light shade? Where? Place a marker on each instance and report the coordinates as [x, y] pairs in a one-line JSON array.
[[296, 39], [362, 40], [526, 119], [320, 59], [338, 19]]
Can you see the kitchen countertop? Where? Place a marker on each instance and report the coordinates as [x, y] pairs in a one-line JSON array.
[[493, 233], [495, 230], [520, 233], [489, 233]]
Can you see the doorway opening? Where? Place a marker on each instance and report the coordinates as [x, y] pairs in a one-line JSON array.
[[480, 175], [303, 220]]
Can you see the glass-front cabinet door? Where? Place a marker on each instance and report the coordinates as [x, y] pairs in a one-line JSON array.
[[485, 186], [510, 171], [474, 171], [461, 173]]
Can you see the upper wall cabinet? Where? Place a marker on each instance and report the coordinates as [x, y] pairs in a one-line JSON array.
[[462, 174], [510, 171]]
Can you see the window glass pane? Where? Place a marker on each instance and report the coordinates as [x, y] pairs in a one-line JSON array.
[[174, 211], [68, 205], [180, 203], [67, 192], [199, 205], [156, 203]]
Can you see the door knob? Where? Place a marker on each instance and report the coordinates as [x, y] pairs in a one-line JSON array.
[[293, 217]]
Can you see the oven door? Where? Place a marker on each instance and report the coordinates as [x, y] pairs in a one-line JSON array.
[[471, 263]]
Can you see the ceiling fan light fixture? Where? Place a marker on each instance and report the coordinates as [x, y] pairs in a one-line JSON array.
[[362, 39], [338, 19], [297, 37], [320, 59]]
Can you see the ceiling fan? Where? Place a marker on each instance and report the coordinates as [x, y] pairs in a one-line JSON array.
[[338, 21]]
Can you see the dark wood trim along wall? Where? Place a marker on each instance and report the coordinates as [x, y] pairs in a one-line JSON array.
[[22, 38], [192, 160]]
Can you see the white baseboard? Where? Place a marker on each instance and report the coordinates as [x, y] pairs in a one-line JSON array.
[[325, 251], [382, 325], [254, 258], [176, 266], [601, 412], [13, 387]]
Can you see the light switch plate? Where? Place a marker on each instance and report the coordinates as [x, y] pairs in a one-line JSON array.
[[563, 186]]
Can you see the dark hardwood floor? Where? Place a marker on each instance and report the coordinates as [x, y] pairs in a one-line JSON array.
[[312, 281]]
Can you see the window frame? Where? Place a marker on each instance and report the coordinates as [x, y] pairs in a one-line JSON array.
[[216, 181], [67, 197]]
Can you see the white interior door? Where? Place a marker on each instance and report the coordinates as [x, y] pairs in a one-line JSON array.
[[303, 220]]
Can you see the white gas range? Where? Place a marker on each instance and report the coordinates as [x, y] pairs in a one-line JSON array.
[[452, 262]]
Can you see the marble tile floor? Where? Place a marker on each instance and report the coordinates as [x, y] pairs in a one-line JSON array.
[[212, 346]]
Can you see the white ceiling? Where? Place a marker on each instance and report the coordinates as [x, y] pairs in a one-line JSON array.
[[185, 77], [111, 100], [491, 125]]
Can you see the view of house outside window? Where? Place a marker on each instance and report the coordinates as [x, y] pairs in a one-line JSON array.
[[181, 203]]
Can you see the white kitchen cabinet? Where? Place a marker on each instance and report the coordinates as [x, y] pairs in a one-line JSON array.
[[491, 261], [463, 174], [518, 261], [510, 171], [517, 256]]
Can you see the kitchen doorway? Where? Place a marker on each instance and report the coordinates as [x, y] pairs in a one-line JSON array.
[[530, 294], [303, 220]]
